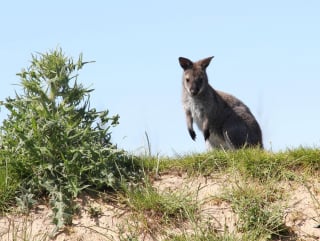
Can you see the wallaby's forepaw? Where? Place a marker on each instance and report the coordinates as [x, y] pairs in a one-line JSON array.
[[206, 134], [192, 134]]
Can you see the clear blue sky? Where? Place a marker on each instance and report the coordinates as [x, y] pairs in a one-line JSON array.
[[267, 53]]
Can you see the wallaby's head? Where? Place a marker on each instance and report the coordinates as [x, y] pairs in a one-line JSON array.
[[195, 78]]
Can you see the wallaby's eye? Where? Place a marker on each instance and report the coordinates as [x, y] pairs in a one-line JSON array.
[[187, 80], [200, 80]]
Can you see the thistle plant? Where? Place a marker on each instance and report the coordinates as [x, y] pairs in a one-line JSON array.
[[56, 143]]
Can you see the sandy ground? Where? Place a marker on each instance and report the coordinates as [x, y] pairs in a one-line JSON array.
[[302, 213]]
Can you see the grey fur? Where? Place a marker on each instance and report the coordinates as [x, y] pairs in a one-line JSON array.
[[225, 121]]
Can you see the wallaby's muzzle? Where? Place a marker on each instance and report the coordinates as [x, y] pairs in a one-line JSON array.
[[194, 89]]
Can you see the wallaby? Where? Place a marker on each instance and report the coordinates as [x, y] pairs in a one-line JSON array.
[[225, 121]]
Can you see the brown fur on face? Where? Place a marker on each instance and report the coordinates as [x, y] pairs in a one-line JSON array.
[[195, 76]]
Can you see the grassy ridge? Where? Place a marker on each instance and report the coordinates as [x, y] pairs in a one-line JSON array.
[[254, 193], [253, 163]]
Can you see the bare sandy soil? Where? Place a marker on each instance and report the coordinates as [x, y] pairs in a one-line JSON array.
[[302, 213]]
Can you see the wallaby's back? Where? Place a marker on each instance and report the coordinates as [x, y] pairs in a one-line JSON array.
[[226, 122]]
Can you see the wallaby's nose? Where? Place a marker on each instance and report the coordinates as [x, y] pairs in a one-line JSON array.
[[194, 91]]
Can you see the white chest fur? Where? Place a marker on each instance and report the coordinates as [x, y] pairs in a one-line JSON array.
[[199, 110]]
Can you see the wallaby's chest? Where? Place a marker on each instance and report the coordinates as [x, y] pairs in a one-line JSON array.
[[199, 110]]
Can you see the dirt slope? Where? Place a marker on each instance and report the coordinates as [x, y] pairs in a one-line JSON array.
[[301, 205]]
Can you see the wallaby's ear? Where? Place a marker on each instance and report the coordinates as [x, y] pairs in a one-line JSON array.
[[185, 63], [205, 62]]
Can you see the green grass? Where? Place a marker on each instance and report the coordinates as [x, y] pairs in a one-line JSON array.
[[204, 236], [259, 213], [153, 211], [8, 186], [251, 163], [254, 194], [165, 206]]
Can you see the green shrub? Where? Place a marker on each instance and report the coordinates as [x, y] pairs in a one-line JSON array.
[[55, 142]]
